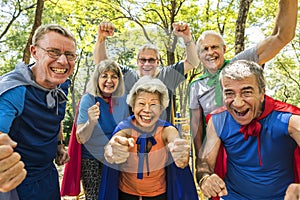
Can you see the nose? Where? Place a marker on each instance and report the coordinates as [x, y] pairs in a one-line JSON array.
[[62, 59], [238, 101], [210, 50], [147, 108], [109, 78]]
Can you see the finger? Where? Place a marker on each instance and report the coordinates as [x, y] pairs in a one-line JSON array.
[[122, 140], [14, 181], [5, 151], [11, 172], [131, 142], [10, 161], [223, 192], [5, 139]]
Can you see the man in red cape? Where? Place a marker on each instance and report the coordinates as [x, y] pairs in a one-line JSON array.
[[260, 136]]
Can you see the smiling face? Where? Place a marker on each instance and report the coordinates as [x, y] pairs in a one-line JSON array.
[[243, 98], [48, 71], [147, 109], [211, 52], [108, 82], [147, 62]]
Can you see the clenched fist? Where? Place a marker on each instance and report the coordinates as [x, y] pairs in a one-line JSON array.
[[117, 150]]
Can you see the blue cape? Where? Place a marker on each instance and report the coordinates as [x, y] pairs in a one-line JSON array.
[[180, 182]]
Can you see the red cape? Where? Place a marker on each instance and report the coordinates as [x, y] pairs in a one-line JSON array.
[[72, 172], [270, 105]]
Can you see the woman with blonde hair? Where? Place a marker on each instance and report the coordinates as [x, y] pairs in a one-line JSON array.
[[97, 118]]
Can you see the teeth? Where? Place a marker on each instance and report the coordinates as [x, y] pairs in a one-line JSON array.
[[241, 113], [59, 70], [146, 118]]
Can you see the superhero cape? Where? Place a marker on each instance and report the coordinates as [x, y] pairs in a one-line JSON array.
[[180, 182], [270, 105], [72, 172]]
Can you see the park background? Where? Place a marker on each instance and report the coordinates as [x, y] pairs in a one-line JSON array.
[[242, 24]]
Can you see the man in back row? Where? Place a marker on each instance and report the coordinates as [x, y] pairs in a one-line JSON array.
[[148, 60]]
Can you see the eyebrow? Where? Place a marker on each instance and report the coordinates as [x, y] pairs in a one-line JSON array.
[[248, 88], [244, 88]]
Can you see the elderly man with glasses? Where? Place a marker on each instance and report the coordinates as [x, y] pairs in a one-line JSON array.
[[32, 103]]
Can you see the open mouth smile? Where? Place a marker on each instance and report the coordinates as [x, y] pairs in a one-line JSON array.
[[58, 70], [242, 113]]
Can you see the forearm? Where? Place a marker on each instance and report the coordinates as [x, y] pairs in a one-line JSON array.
[[60, 136], [197, 130], [202, 169], [100, 50], [192, 59], [286, 20], [84, 132]]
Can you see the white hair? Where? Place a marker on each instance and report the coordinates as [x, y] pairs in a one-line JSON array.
[[151, 85]]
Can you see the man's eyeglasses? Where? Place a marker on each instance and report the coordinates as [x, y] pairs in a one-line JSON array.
[[55, 54], [106, 77], [144, 60]]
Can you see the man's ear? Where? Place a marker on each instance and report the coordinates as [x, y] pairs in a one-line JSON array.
[[33, 52], [263, 92]]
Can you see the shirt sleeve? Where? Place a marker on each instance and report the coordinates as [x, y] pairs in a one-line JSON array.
[[193, 94], [248, 54], [11, 106], [172, 75], [86, 102]]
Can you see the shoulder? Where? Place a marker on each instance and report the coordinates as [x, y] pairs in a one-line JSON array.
[[87, 99], [218, 114], [15, 92], [14, 97], [127, 69], [179, 67]]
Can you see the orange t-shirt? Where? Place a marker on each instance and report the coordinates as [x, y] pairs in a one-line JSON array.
[[153, 184]]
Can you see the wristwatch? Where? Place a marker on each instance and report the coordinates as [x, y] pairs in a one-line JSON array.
[[59, 142]]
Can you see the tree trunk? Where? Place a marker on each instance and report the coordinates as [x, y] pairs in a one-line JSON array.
[[36, 24], [240, 25]]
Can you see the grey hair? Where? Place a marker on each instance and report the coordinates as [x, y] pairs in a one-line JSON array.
[[151, 85], [148, 47], [204, 34], [241, 69], [44, 29], [104, 66]]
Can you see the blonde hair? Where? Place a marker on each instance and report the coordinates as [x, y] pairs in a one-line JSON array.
[[150, 85], [44, 29], [104, 66], [148, 47]]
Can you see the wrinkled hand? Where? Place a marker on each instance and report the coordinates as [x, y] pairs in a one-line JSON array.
[[292, 192], [62, 156], [117, 150], [105, 29], [94, 113], [213, 186], [180, 151], [12, 171], [182, 29]]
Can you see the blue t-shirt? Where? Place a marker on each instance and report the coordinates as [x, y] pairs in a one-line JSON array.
[[245, 178], [24, 115], [94, 147]]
